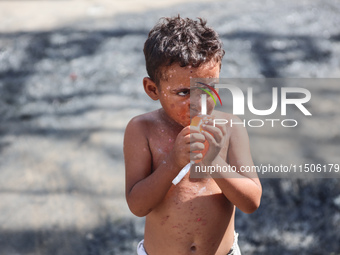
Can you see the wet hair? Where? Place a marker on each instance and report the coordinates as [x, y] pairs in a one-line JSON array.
[[180, 40]]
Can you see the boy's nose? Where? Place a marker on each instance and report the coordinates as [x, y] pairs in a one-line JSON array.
[[195, 102]]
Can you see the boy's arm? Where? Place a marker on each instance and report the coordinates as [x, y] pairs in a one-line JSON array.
[[243, 190], [146, 189]]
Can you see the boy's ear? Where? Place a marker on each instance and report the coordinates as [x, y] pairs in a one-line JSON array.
[[151, 88]]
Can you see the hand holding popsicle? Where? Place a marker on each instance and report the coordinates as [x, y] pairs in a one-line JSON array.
[[198, 121], [199, 145], [216, 137], [180, 153]]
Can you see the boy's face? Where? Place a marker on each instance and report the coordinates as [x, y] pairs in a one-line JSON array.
[[174, 92]]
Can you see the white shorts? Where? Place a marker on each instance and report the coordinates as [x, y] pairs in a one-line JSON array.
[[140, 248], [235, 249]]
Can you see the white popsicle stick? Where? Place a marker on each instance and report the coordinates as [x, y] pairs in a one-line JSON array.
[[181, 174]]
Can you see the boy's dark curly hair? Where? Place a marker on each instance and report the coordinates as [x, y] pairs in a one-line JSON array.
[[183, 41]]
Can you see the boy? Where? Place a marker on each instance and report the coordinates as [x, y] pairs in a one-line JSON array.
[[197, 215]]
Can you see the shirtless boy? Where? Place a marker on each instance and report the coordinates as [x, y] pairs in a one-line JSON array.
[[196, 216]]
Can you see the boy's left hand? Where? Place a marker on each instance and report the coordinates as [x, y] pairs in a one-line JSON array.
[[216, 137]]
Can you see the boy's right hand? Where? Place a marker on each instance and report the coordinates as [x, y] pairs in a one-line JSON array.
[[188, 144]]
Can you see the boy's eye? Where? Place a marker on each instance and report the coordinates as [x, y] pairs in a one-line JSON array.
[[183, 93]]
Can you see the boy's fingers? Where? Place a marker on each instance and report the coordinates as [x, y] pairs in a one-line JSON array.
[[197, 137], [216, 132], [196, 147], [188, 130], [187, 139], [196, 156], [222, 127], [185, 130], [209, 137], [194, 129]]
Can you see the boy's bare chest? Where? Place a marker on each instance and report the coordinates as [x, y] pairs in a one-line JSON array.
[[161, 142]]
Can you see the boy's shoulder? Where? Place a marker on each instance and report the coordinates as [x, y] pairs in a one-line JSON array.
[[144, 120]]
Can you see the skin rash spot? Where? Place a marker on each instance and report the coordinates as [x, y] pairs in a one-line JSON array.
[[164, 219]]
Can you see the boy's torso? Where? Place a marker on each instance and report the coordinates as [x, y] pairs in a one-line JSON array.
[[195, 217]]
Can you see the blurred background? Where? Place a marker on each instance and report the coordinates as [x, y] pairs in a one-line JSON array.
[[71, 79]]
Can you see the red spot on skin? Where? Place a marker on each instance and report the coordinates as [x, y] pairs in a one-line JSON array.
[[165, 219], [198, 219]]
